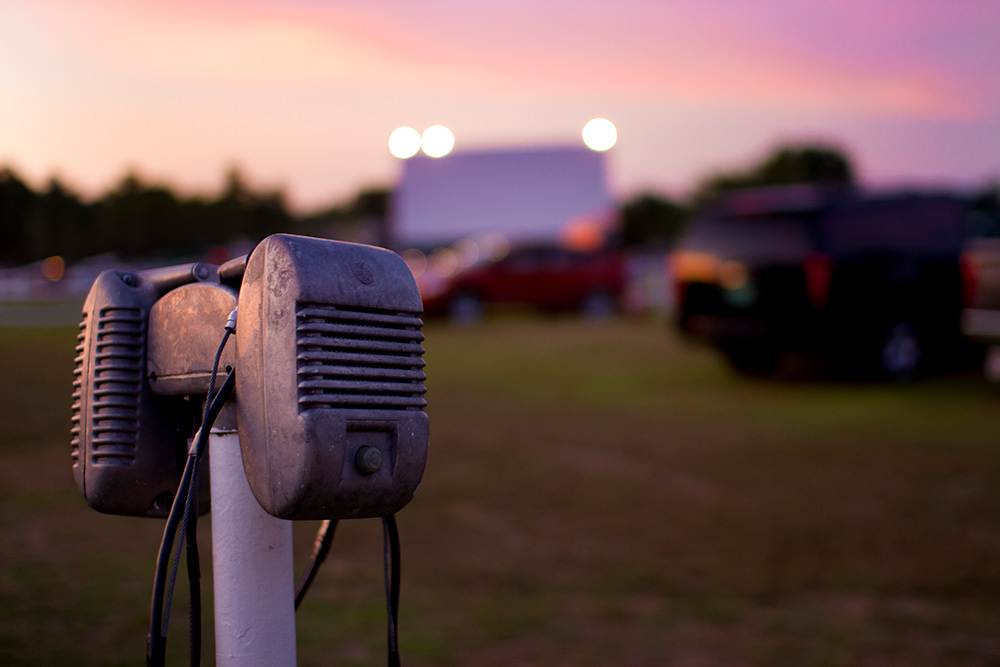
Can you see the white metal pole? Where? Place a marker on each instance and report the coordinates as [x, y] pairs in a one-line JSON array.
[[252, 567]]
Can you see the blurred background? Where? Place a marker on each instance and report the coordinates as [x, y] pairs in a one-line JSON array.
[[586, 192]]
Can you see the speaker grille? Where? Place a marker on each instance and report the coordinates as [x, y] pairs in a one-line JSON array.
[[76, 431], [359, 358], [116, 383]]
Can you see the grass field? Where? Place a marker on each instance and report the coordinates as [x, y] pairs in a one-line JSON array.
[[595, 495]]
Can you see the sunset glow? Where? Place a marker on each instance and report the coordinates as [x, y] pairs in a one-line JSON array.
[[302, 94]]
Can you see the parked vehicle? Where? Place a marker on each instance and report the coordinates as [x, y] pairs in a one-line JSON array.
[[871, 281], [544, 277], [981, 315]]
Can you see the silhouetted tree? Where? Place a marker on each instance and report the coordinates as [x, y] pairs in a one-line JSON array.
[[57, 224], [17, 204], [371, 209], [241, 212], [786, 165], [135, 218], [985, 206], [987, 200], [364, 219], [372, 203], [648, 218], [807, 164]]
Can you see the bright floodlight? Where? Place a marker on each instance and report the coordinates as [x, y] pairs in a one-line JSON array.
[[600, 134], [404, 142], [437, 141]]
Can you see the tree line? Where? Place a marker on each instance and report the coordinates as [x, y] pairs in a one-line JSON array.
[[136, 218], [652, 219]]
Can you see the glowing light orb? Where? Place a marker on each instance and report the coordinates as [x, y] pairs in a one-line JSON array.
[[444, 262], [600, 134], [495, 247], [583, 234], [437, 141], [404, 142], [468, 252], [416, 261], [54, 268]]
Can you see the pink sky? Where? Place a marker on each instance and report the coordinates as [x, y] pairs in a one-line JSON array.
[[303, 94]]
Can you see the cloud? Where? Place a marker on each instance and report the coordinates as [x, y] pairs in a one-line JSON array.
[[691, 53]]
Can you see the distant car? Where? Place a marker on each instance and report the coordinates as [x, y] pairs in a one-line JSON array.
[[870, 281], [981, 316], [543, 277]]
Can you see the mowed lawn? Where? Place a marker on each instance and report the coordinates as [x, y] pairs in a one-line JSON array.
[[595, 495]]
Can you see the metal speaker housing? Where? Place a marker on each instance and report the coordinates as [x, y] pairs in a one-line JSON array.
[[329, 379], [185, 328], [126, 446]]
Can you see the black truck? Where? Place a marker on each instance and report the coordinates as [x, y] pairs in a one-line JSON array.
[[870, 281]]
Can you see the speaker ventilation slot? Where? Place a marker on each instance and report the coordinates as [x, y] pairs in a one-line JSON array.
[[357, 358]]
